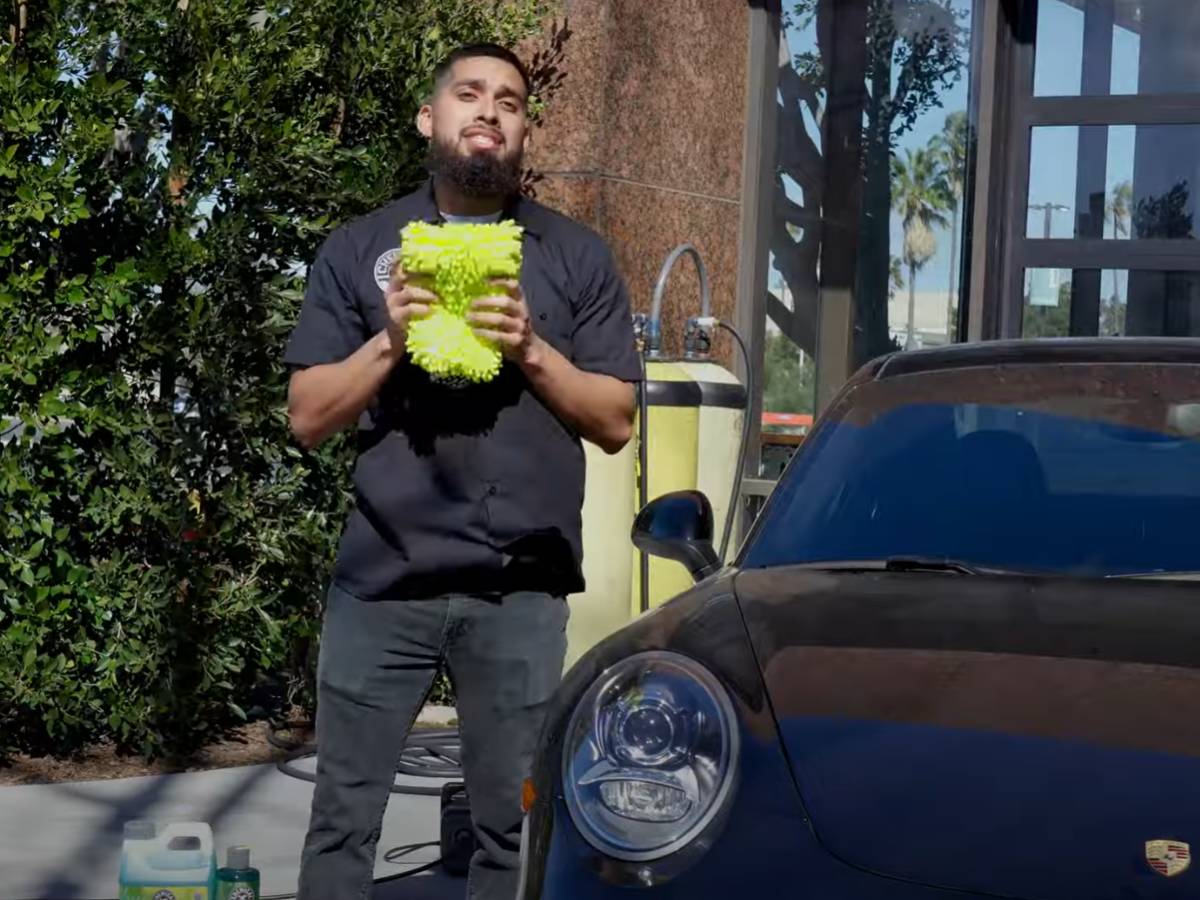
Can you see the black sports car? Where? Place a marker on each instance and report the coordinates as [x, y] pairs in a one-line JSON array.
[[959, 654]]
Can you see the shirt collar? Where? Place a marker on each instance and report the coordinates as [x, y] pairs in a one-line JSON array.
[[518, 209]]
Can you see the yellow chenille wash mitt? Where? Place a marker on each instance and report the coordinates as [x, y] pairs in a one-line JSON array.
[[460, 259]]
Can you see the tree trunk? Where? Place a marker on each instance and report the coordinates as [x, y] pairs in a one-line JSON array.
[[951, 332], [910, 341], [874, 262]]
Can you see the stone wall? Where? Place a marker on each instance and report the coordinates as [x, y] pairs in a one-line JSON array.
[[644, 141]]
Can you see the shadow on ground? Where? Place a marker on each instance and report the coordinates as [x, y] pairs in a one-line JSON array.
[[63, 841]]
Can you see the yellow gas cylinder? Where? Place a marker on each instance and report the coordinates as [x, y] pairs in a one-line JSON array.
[[609, 506], [695, 411], [721, 413], [673, 428]]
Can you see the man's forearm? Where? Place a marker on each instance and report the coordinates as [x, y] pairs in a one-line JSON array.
[[599, 407], [323, 400]]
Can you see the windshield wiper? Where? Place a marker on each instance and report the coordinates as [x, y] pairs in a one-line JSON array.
[[903, 564], [930, 564], [1160, 576], [918, 564]]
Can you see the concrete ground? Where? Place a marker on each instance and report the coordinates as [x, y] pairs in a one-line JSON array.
[[63, 841]]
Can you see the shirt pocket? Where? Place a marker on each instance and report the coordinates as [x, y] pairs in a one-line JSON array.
[[550, 314]]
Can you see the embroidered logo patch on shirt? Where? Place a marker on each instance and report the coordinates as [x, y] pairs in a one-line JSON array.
[[383, 267]]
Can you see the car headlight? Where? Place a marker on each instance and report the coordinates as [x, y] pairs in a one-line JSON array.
[[650, 756]]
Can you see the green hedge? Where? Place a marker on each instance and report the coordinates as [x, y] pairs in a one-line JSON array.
[[166, 170]]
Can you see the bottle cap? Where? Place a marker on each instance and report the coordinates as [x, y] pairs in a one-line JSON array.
[[140, 830], [238, 858]]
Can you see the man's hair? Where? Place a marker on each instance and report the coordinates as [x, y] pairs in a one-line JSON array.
[[471, 51]]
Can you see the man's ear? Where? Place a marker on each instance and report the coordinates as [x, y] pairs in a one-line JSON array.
[[425, 120]]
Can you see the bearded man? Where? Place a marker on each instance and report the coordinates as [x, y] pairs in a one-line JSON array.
[[465, 537]]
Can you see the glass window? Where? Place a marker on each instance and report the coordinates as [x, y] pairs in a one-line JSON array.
[[914, 134], [1130, 185], [1137, 182], [1082, 469], [1119, 303], [1053, 154], [794, 257], [1047, 303], [1112, 47], [918, 168], [1158, 303]]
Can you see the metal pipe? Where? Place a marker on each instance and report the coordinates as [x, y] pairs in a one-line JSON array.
[[643, 487], [735, 499], [661, 286]]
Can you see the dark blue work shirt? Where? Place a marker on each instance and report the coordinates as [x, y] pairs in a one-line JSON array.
[[474, 489]]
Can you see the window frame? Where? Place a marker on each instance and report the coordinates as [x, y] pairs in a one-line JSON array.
[[1021, 112]]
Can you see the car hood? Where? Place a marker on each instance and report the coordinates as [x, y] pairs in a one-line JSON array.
[[1014, 736]]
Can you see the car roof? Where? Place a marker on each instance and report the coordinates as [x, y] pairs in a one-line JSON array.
[[1043, 351]]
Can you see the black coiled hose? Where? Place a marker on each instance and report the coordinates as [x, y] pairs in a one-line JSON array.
[[428, 753]]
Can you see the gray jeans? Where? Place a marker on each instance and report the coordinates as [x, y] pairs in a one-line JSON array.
[[377, 664]]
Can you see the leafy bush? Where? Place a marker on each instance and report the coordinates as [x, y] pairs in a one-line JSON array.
[[167, 168]]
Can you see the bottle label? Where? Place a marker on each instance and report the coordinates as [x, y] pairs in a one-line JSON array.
[[236, 890], [146, 892]]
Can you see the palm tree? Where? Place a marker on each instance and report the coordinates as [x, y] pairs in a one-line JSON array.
[[921, 194], [951, 148], [1120, 209], [895, 277]]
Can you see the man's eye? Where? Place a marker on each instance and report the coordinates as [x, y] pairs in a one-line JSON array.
[[466, 95], [509, 106]]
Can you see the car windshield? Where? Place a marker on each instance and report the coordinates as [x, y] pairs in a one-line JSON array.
[[1090, 470]]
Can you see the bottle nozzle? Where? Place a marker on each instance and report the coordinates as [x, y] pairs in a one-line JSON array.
[[238, 858], [140, 830]]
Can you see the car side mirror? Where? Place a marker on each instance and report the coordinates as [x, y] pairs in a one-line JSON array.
[[679, 526]]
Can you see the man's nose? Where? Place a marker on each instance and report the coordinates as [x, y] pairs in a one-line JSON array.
[[488, 111]]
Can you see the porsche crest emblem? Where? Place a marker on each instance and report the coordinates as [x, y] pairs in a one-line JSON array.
[[1169, 858]]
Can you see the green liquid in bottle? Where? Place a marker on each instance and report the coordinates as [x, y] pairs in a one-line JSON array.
[[237, 880]]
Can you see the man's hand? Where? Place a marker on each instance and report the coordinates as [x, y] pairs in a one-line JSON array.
[[504, 320], [406, 300], [598, 407]]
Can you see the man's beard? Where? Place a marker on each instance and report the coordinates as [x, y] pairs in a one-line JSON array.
[[476, 175]]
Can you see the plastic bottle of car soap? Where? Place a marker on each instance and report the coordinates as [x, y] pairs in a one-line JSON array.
[[136, 848], [237, 880], [174, 862]]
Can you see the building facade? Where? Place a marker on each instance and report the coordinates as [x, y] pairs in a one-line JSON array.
[[869, 175]]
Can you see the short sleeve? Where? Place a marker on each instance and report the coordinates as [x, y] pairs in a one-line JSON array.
[[602, 340], [331, 325]]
